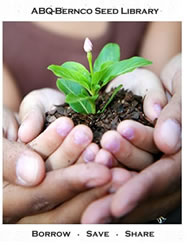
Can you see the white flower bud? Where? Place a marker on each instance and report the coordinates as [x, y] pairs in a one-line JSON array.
[[88, 45]]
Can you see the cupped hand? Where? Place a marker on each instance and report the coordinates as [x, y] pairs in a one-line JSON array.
[[146, 84], [32, 111], [154, 191], [55, 149], [132, 144], [59, 146]]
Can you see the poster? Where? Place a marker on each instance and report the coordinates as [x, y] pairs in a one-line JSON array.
[[52, 11]]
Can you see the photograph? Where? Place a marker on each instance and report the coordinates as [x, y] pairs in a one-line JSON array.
[[92, 123]]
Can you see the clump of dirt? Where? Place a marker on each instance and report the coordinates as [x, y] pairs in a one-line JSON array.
[[125, 105]]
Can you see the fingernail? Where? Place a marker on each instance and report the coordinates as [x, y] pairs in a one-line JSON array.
[[88, 155], [81, 137], [104, 159], [157, 110], [113, 145], [171, 133], [128, 133], [26, 170], [64, 128], [108, 162]]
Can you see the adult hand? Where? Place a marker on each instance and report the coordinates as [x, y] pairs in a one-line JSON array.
[[167, 132], [70, 211], [58, 186], [21, 165], [154, 191]]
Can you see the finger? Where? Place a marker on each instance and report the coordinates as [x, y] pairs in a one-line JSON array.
[[169, 72], [21, 165], [154, 102], [106, 158], [58, 186], [10, 125], [153, 93], [167, 134], [71, 148], [125, 152], [89, 154], [153, 181], [69, 212], [146, 84], [32, 112], [48, 141], [152, 209], [99, 211], [139, 135]]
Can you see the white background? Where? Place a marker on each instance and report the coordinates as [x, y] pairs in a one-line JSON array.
[[170, 10]]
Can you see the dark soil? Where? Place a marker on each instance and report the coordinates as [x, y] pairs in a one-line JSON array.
[[125, 105]]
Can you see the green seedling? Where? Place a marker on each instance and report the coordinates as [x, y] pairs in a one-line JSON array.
[[82, 87]]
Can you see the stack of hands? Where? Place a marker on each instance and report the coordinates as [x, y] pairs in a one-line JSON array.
[[60, 176]]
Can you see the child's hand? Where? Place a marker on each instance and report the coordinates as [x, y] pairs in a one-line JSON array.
[[146, 84], [62, 144], [32, 111], [132, 144], [59, 186]]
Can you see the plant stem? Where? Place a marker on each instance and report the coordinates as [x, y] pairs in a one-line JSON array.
[[89, 57]]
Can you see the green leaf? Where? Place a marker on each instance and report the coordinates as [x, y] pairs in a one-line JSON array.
[[74, 89], [82, 104], [123, 67], [70, 87], [71, 73], [97, 88], [72, 98], [111, 98], [98, 75], [110, 52], [77, 67]]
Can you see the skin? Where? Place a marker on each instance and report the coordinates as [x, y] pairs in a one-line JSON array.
[[155, 191], [30, 192], [24, 116], [50, 146]]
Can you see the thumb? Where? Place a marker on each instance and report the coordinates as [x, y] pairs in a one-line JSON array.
[[154, 101], [33, 109], [21, 165], [155, 97], [167, 133]]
